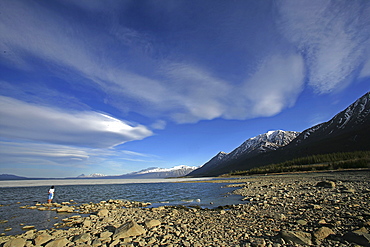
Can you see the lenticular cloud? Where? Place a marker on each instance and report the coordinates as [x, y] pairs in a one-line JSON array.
[[89, 129]]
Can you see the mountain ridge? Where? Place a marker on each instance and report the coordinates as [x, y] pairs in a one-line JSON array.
[[346, 131], [262, 143]]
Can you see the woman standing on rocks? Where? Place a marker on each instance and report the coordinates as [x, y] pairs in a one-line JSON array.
[[51, 194]]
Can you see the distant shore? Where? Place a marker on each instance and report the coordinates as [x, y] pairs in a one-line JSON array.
[[27, 183], [326, 209]]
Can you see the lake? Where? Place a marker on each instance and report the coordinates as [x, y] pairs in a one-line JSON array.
[[156, 191]]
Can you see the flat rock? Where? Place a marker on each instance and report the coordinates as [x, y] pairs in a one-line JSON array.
[[323, 232], [65, 209], [17, 242], [61, 242], [152, 223], [43, 238], [82, 238], [103, 212], [129, 229], [297, 237]]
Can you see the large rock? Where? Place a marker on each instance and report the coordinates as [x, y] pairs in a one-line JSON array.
[[43, 238], [129, 229], [103, 212], [297, 237], [61, 242], [65, 209], [326, 184], [152, 223], [17, 242], [323, 233], [82, 238]]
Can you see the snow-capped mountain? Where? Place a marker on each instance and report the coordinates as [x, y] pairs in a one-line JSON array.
[[263, 143], [352, 118], [156, 172], [179, 169], [347, 131], [266, 142], [94, 175]]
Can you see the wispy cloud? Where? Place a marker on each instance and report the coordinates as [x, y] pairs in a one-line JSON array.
[[57, 158], [39, 123], [331, 37], [320, 41]]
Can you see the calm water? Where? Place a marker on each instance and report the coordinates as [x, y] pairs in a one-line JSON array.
[[156, 193]]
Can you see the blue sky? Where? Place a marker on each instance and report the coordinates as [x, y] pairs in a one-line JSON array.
[[118, 86]]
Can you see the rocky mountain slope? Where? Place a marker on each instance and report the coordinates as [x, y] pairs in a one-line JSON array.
[[263, 143], [347, 131]]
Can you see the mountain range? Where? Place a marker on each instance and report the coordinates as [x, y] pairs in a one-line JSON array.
[[151, 172], [347, 131]]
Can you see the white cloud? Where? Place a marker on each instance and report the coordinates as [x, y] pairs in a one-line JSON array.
[[39, 123], [332, 36], [52, 160], [275, 86], [121, 61]]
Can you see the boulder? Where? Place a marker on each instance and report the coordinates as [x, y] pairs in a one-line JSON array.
[[326, 184], [27, 227], [65, 209], [297, 237], [152, 223], [43, 238], [129, 229], [17, 242], [82, 238], [87, 223], [103, 212], [105, 235], [322, 233], [61, 242]]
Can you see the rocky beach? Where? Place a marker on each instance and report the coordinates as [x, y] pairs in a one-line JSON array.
[[319, 209]]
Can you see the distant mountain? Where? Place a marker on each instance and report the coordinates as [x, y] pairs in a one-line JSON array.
[[10, 177], [94, 175], [347, 131], [151, 172], [263, 143], [156, 172]]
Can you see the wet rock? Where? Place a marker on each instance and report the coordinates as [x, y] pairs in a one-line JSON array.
[[65, 209], [27, 227], [129, 229], [297, 237]]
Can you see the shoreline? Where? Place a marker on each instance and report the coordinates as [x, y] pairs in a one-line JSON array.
[[59, 182], [328, 209]]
